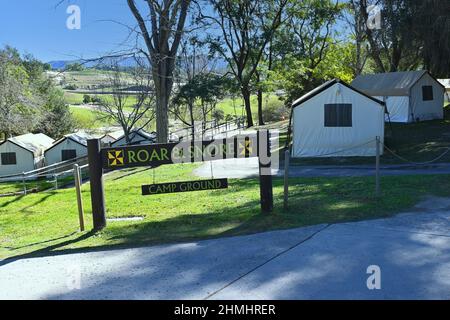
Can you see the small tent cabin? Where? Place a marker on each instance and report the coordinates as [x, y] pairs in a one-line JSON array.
[[446, 84], [137, 137], [110, 137], [336, 120], [409, 96], [23, 153], [69, 147]]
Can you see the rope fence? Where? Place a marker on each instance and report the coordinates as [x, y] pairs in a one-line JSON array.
[[417, 163]]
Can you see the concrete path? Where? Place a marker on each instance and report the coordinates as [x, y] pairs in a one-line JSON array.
[[412, 251], [246, 168]]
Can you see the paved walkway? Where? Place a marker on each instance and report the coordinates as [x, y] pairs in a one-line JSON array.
[[318, 262], [245, 168]]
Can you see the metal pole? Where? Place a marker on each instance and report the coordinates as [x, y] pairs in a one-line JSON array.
[[56, 181], [286, 178], [377, 169], [96, 182], [77, 178]]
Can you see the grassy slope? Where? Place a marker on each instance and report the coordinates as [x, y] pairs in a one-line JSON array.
[[49, 221]]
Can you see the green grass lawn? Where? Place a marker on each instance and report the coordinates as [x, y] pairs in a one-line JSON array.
[[88, 119], [47, 222], [31, 186]]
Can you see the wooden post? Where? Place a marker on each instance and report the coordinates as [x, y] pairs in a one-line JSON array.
[[77, 179], [286, 178], [96, 182], [24, 184], [377, 168], [55, 176], [265, 178]]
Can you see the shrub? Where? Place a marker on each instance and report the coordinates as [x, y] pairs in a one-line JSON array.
[[218, 115], [87, 99], [275, 110], [71, 87]]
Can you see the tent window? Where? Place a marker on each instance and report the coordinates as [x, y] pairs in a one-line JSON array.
[[338, 115], [68, 154], [9, 158], [427, 93]]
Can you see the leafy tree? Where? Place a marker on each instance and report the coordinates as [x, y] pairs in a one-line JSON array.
[[204, 90], [18, 112], [116, 109], [431, 28], [76, 66], [302, 46], [57, 120], [87, 99], [29, 102], [245, 27], [161, 28]]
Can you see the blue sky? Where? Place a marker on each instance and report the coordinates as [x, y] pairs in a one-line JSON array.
[[39, 27]]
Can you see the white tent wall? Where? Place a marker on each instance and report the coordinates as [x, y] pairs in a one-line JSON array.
[[24, 158], [54, 154], [312, 139], [398, 108], [427, 110]]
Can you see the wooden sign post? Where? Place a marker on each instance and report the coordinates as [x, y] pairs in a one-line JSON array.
[[96, 181], [183, 152], [265, 172]]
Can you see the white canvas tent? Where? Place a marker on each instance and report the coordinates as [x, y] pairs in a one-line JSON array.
[[409, 96], [137, 137], [335, 120], [446, 84], [111, 137], [70, 146], [23, 153]]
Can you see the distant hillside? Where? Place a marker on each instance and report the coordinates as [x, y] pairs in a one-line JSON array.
[[219, 65], [104, 64]]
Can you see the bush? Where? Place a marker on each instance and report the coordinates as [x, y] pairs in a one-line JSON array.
[[71, 87], [275, 110], [218, 115], [447, 112], [87, 99]]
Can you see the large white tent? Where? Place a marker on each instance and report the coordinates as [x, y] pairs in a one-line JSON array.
[[336, 120], [409, 96]]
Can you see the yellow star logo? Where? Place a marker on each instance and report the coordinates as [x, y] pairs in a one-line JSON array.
[[115, 158], [246, 148]]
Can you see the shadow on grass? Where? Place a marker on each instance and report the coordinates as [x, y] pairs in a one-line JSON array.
[[13, 200], [312, 201]]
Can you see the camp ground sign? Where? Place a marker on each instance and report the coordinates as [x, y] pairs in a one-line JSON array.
[[185, 186], [154, 155]]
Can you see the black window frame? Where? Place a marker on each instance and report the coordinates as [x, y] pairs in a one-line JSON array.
[[427, 93], [9, 158], [338, 115], [65, 158]]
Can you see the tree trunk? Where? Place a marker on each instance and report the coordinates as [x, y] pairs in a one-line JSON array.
[[163, 87], [260, 102], [191, 116], [248, 108], [260, 108]]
